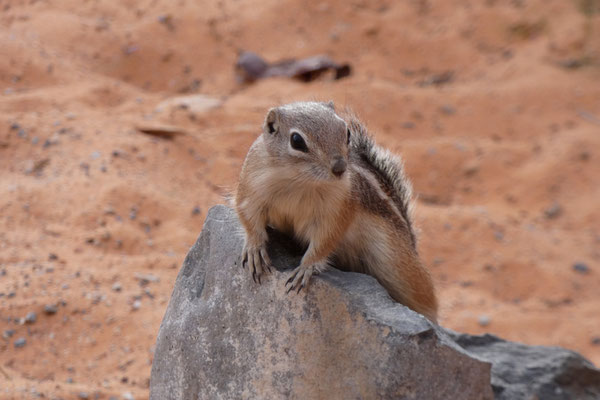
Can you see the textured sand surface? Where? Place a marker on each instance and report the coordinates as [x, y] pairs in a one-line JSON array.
[[96, 217]]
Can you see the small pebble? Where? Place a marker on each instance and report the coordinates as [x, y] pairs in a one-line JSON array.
[[128, 396], [596, 340], [136, 305], [196, 210], [20, 342], [49, 142], [116, 287], [83, 395], [31, 317], [146, 278], [52, 257], [489, 267], [471, 168], [553, 211], [571, 63], [50, 309], [8, 333], [484, 320], [448, 109], [580, 267]]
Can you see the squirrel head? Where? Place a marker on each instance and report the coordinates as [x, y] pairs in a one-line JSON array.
[[309, 137]]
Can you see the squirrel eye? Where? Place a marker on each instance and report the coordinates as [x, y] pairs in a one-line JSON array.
[[348, 135], [298, 143]]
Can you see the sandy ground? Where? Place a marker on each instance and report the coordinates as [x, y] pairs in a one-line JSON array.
[[96, 217]]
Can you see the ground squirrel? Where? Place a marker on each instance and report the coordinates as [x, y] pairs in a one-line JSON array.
[[324, 180]]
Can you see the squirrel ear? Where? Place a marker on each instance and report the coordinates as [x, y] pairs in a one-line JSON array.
[[272, 121], [330, 105]]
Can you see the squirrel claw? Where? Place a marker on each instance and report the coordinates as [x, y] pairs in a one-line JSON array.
[[257, 260], [300, 278], [290, 280]]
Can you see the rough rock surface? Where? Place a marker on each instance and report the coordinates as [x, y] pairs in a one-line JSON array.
[[223, 336], [533, 372]]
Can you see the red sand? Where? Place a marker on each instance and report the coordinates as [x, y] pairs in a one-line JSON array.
[[87, 203]]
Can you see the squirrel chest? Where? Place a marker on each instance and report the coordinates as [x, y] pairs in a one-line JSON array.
[[302, 209]]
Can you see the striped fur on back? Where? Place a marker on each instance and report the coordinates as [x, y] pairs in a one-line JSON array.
[[387, 168]]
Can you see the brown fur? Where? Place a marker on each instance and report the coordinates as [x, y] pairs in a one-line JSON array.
[[359, 220]]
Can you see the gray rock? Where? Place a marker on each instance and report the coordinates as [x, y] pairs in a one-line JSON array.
[[484, 320], [580, 267], [20, 342], [128, 396], [31, 317], [50, 309], [223, 336], [533, 372], [448, 109], [553, 211], [145, 279], [137, 304]]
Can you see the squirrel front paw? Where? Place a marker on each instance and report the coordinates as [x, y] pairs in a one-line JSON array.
[[301, 276], [257, 259]]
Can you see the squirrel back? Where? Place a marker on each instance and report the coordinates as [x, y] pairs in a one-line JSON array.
[[387, 168]]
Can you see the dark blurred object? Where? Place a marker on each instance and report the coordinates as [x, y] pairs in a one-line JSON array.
[[438, 79], [161, 131], [251, 67]]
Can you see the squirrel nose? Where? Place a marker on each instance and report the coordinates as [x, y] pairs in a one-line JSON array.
[[338, 166]]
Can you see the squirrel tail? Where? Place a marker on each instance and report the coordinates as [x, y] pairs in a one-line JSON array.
[[387, 168]]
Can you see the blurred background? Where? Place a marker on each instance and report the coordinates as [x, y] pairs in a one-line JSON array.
[[123, 122]]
